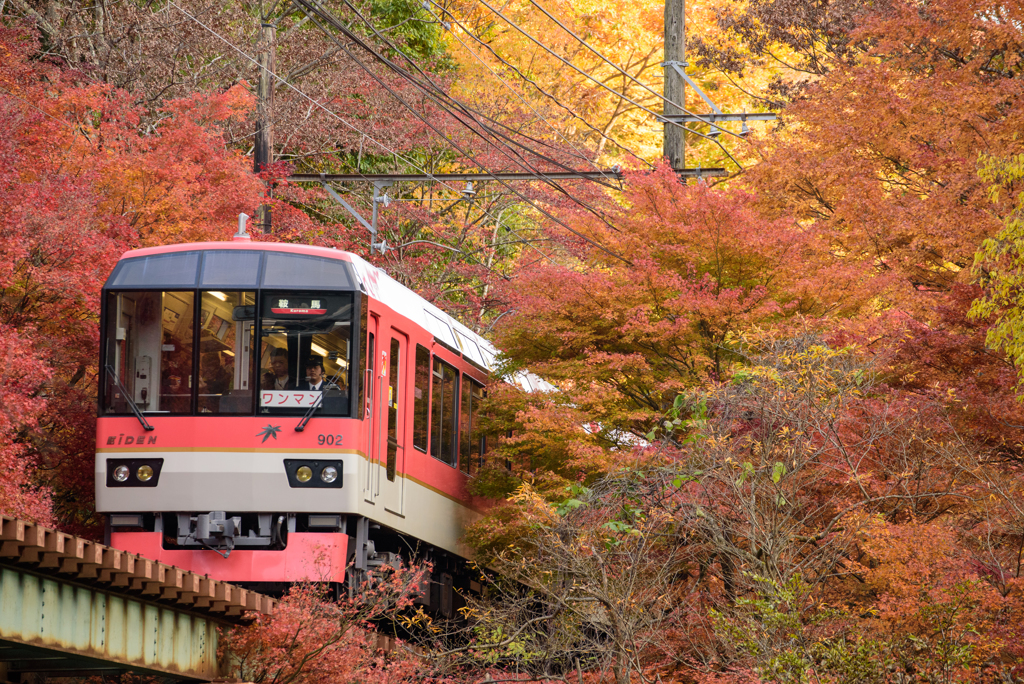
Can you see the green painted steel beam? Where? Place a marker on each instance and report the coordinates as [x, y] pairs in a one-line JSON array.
[[45, 612]]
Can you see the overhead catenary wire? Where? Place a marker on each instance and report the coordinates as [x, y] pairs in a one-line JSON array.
[[468, 111], [587, 76], [600, 56], [77, 129], [312, 101], [431, 87], [559, 103], [320, 106], [335, 22], [380, 144], [552, 97], [521, 98], [699, 117], [536, 85]]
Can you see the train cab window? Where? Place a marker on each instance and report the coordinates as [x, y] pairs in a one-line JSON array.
[[421, 399], [282, 270], [224, 377], [148, 352], [237, 268], [444, 402], [305, 353], [471, 445], [169, 271]]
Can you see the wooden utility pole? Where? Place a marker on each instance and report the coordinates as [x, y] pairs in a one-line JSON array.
[[263, 149], [675, 86]]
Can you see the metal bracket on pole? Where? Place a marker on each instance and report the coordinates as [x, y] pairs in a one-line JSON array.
[[377, 200], [678, 68], [712, 118], [716, 113], [370, 226]]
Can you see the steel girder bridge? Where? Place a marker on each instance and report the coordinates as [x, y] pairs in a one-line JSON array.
[[71, 607]]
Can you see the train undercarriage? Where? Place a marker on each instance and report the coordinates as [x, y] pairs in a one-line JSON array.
[[268, 552]]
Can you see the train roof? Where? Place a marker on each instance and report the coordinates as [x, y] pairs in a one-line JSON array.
[[241, 266]]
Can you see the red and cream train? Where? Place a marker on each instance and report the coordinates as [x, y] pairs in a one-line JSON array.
[[215, 454]]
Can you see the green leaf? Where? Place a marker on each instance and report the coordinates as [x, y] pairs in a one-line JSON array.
[[569, 505], [778, 471]]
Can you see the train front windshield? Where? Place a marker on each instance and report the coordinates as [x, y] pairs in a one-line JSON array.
[[305, 346], [225, 352]]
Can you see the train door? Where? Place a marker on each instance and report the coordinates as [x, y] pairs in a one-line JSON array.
[[395, 396], [385, 412], [372, 413]]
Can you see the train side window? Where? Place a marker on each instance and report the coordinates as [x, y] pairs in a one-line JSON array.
[[148, 346], [393, 394], [368, 375], [421, 399], [361, 377], [470, 441], [226, 321], [444, 402]]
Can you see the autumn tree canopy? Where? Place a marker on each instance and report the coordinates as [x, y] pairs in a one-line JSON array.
[[81, 184]]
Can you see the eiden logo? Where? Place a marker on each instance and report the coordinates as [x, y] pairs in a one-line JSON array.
[[269, 431], [122, 440]]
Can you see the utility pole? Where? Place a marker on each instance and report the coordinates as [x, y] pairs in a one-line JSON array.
[[675, 86], [676, 80], [263, 148]]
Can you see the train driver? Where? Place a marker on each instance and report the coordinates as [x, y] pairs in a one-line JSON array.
[[315, 380]]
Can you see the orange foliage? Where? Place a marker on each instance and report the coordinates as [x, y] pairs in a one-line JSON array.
[[80, 183], [312, 639]]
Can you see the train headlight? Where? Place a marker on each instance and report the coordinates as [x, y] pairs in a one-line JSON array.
[[134, 472], [314, 474]]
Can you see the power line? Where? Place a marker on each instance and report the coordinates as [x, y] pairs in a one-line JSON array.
[[692, 116], [431, 86], [594, 80], [526, 78], [328, 16], [318, 105], [303, 95], [515, 92], [303, 4], [602, 57], [378, 143]]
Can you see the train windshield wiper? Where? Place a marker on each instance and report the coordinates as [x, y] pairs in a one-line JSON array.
[[128, 398], [330, 383], [309, 413]]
